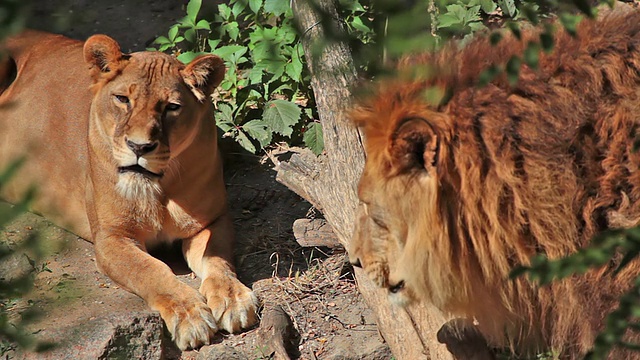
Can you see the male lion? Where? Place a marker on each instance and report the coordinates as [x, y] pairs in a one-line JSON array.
[[455, 195], [123, 150]]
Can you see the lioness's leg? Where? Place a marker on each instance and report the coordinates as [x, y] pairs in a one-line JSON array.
[[210, 255], [182, 308]]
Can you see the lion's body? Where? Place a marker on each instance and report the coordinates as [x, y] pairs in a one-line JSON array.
[[465, 191], [122, 150]]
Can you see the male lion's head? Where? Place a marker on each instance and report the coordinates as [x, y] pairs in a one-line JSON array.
[[400, 194], [147, 108]]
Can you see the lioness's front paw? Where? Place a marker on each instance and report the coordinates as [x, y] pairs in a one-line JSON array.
[[188, 318], [234, 305]]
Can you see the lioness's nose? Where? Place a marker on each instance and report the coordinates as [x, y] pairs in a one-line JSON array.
[[141, 149]]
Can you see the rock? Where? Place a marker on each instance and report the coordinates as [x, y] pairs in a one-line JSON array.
[[82, 312], [137, 335], [220, 351], [343, 349]]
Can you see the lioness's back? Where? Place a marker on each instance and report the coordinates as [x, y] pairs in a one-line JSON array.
[[54, 145]]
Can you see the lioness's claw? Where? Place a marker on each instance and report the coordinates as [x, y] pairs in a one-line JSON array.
[[189, 321], [195, 328], [234, 305]]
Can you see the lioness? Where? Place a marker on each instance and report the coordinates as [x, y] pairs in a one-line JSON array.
[[123, 150], [458, 192]]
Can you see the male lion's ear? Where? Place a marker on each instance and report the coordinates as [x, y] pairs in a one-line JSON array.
[[414, 146], [203, 75], [102, 53]]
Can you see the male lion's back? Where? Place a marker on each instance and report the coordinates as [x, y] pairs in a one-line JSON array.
[[44, 109]]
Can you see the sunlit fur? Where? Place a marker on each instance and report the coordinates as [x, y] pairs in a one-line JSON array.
[[534, 168], [144, 195]]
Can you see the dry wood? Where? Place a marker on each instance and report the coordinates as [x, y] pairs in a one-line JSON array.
[[314, 232], [329, 181], [277, 336]]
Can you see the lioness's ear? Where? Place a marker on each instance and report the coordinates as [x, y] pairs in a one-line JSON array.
[[102, 53], [203, 75], [414, 146]]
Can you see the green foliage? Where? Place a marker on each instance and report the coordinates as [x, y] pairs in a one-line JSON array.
[[12, 16], [266, 86], [16, 286]]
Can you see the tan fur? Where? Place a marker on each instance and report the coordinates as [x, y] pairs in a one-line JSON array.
[[456, 194], [79, 113]]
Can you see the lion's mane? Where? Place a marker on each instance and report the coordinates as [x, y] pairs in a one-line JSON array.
[[538, 167]]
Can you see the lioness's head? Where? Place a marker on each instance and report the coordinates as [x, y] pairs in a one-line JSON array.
[[398, 220], [148, 107]]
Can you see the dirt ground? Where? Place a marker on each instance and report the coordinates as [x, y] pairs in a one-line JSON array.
[[313, 285]]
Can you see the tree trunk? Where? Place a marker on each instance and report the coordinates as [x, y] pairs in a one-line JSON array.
[[329, 182]]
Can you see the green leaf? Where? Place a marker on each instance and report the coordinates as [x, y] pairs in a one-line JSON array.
[[313, 138], [233, 30], [244, 141], [193, 8], [532, 54], [472, 14], [190, 35], [213, 43], [255, 5], [11, 170], [515, 29], [488, 75], [530, 13], [584, 6], [351, 5], [225, 52], [203, 25], [546, 40], [513, 69], [173, 31], [508, 7], [476, 26], [256, 73], [457, 10], [257, 129], [294, 68], [161, 40], [238, 8], [224, 11], [570, 22], [281, 116], [488, 6], [495, 37], [359, 25], [224, 114], [276, 7], [187, 56], [449, 20]]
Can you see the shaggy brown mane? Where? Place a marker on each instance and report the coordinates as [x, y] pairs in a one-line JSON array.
[[538, 167]]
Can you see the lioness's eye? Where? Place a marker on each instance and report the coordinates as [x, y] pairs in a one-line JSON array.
[[173, 107], [123, 99]]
